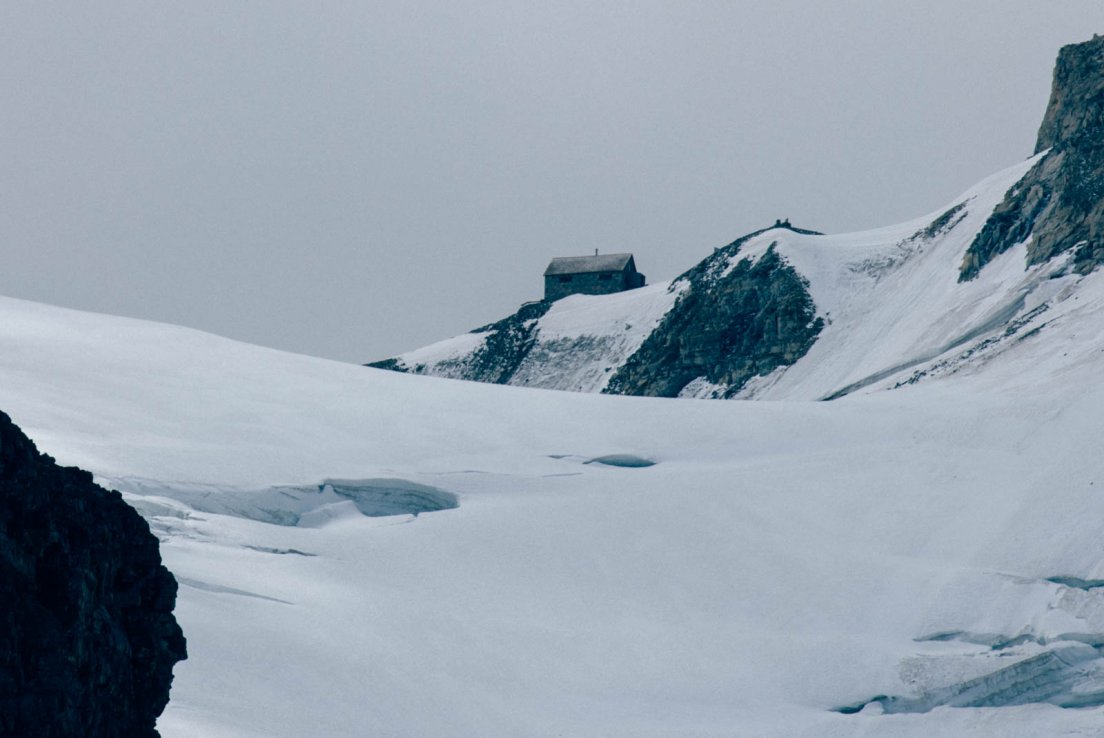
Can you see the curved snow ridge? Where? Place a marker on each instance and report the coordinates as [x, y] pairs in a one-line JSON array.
[[618, 460], [307, 506]]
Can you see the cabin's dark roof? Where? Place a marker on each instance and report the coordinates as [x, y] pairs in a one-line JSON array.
[[586, 264]]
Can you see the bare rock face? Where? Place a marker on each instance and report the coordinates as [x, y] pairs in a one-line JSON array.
[[1075, 113], [1059, 205], [730, 325], [87, 635]]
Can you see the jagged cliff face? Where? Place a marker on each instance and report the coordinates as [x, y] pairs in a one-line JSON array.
[[1075, 114], [1058, 207], [789, 313], [87, 635]]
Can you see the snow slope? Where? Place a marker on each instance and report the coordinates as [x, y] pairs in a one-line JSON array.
[[578, 342], [583, 338], [937, 545]]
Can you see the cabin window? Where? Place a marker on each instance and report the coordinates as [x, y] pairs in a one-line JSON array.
[[605, 276], [565, 277]]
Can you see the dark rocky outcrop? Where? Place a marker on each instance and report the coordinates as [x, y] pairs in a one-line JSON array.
[[508, 341], [87, 635], [1060, 203], [729, 325]]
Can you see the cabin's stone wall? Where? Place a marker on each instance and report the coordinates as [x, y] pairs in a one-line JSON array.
[[557, 286]]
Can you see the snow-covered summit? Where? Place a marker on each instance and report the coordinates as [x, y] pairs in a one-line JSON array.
[[829, 316]]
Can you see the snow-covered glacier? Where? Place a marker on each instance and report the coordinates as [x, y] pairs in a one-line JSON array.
[[856, 567]]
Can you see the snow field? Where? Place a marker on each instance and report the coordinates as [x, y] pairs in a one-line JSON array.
[[779, 561]]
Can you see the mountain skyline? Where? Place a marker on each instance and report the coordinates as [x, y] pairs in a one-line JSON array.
[[355, 182], [895, 533]]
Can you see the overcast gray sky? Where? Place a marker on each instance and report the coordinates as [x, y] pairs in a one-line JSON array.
[[355, 179]]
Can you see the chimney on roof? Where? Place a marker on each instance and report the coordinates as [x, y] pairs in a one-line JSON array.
[[595, 252]]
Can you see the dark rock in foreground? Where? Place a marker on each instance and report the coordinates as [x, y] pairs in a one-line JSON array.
[[87, 636]]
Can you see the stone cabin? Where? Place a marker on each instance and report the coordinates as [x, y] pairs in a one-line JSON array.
[[590, 275]]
